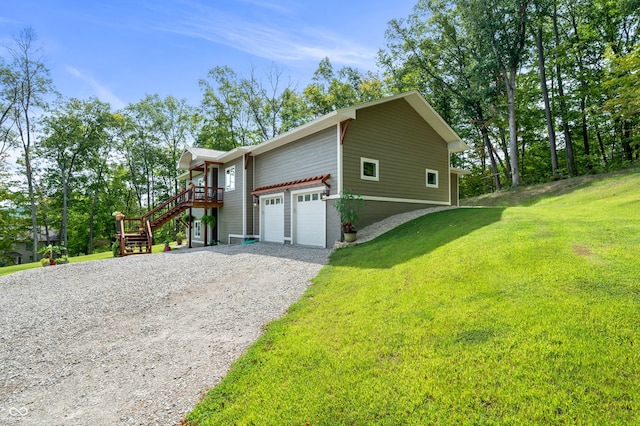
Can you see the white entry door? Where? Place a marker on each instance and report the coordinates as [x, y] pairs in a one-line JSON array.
[[310, 219], [272, 226]]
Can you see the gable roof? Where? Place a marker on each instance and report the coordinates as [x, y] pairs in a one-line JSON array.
[[413, 98]]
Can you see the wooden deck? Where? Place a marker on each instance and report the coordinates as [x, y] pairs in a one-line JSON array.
[[136, 234]]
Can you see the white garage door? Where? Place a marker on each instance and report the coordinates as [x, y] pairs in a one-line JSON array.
[[310, 219], [273, 219]]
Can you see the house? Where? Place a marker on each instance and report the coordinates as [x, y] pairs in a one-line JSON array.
[[394, 152], [22, 251]]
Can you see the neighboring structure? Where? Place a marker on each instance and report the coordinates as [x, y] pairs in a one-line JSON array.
[[22, 251], [394, 152]]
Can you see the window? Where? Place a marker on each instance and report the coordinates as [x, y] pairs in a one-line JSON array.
[[432, 178], [230, 178], [197, 229], [369, 169]]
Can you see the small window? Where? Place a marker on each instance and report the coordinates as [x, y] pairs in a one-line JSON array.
[[432, 178], [369, 169], [197, 229], [230, 178], [300, 198]]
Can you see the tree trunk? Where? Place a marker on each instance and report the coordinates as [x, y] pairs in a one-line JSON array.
[[510, 80], [547, 107], [32, 200], [602, 151], [571, 165], [626, 138], [63, 225], [492, 158], [585, 131]]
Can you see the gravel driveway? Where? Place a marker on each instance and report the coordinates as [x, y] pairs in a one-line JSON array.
[[138, 340]]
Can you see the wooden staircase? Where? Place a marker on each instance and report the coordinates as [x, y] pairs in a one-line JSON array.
[[136, 234]]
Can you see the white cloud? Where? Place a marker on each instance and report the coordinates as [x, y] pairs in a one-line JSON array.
[[101, 92], [279, 39]]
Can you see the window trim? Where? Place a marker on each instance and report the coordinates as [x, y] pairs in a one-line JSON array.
[[434, 172], [377, 165], [230, 186], [197, 229]]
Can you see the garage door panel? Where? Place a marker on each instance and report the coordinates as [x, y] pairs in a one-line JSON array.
[[272, 210], [310, 219]]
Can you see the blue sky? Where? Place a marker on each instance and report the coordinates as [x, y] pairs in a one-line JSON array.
[[121, 50]]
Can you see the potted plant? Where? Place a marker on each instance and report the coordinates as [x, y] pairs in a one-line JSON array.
[[115, 248], [187, 218], [348, 206], [50, 252], [179, 237], [209, 220]]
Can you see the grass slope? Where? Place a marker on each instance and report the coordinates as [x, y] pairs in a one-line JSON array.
[[516, 315]]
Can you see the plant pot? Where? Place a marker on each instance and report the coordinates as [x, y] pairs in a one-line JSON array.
[[350, 237]]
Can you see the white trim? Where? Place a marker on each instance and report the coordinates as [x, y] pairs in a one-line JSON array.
[[271, 195], [414, 98], [449, 177], [242, 237], [339, 147], [459, 171], [404, 200], [426, 179], [197, 237], [372, 161], [244, 199], [234, 178]]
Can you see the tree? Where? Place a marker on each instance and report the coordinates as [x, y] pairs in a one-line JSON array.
[[8, 98], [433, 52], [172, 125], [331, 90], [74, 135], [541, 12], [237, 111], [624, 97], [12, 225], [29, 80], [502, 26]]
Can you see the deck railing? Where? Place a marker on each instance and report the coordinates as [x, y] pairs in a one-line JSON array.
[[193, 196]]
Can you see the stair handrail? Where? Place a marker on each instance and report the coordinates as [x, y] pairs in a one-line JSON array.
[[187, 191], [149, 237], [122, 237]]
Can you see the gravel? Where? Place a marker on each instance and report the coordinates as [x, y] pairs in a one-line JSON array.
[[138, 340]]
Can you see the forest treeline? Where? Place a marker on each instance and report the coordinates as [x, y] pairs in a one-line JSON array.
[[539, 90]]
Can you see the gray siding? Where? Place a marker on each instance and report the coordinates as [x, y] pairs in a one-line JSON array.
[[405, 146], [230, 219], [252, 223], [311, 156]]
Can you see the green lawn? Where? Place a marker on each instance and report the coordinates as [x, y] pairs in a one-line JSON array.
[[526, 314], [6, 270]]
